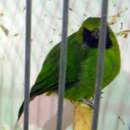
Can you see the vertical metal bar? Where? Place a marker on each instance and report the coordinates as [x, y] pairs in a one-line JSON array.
[[63, 62], [100, 62], [27, 63]]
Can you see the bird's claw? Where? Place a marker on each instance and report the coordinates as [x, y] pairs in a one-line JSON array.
[[89, 103]]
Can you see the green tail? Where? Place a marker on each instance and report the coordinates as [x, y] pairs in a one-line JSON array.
[[20, 110], [22, 107]]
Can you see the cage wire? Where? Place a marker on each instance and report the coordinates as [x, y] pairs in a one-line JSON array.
[[46, 32]]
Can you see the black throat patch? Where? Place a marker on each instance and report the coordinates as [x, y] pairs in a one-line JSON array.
[[91, 39]]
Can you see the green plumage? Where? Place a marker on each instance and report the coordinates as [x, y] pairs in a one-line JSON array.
[[81, 64]]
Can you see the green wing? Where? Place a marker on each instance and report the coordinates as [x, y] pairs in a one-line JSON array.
[[48, 76], [47, 79]]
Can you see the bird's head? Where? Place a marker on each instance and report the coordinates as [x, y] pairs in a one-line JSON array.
[[90, 32]]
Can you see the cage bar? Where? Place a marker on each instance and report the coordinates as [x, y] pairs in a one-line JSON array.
[[100, 63], [27, 63], [63, 62]]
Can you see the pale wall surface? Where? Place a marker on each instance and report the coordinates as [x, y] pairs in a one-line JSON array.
[[46, 32]]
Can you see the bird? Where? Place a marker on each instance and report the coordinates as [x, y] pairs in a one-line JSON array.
[[82, 53]]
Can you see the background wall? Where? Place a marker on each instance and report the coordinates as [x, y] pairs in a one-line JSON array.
[[46, 32]]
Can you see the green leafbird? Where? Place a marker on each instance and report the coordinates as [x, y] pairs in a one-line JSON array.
[[81, 64]]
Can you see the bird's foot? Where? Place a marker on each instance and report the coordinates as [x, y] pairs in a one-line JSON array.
[[89, 102]]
